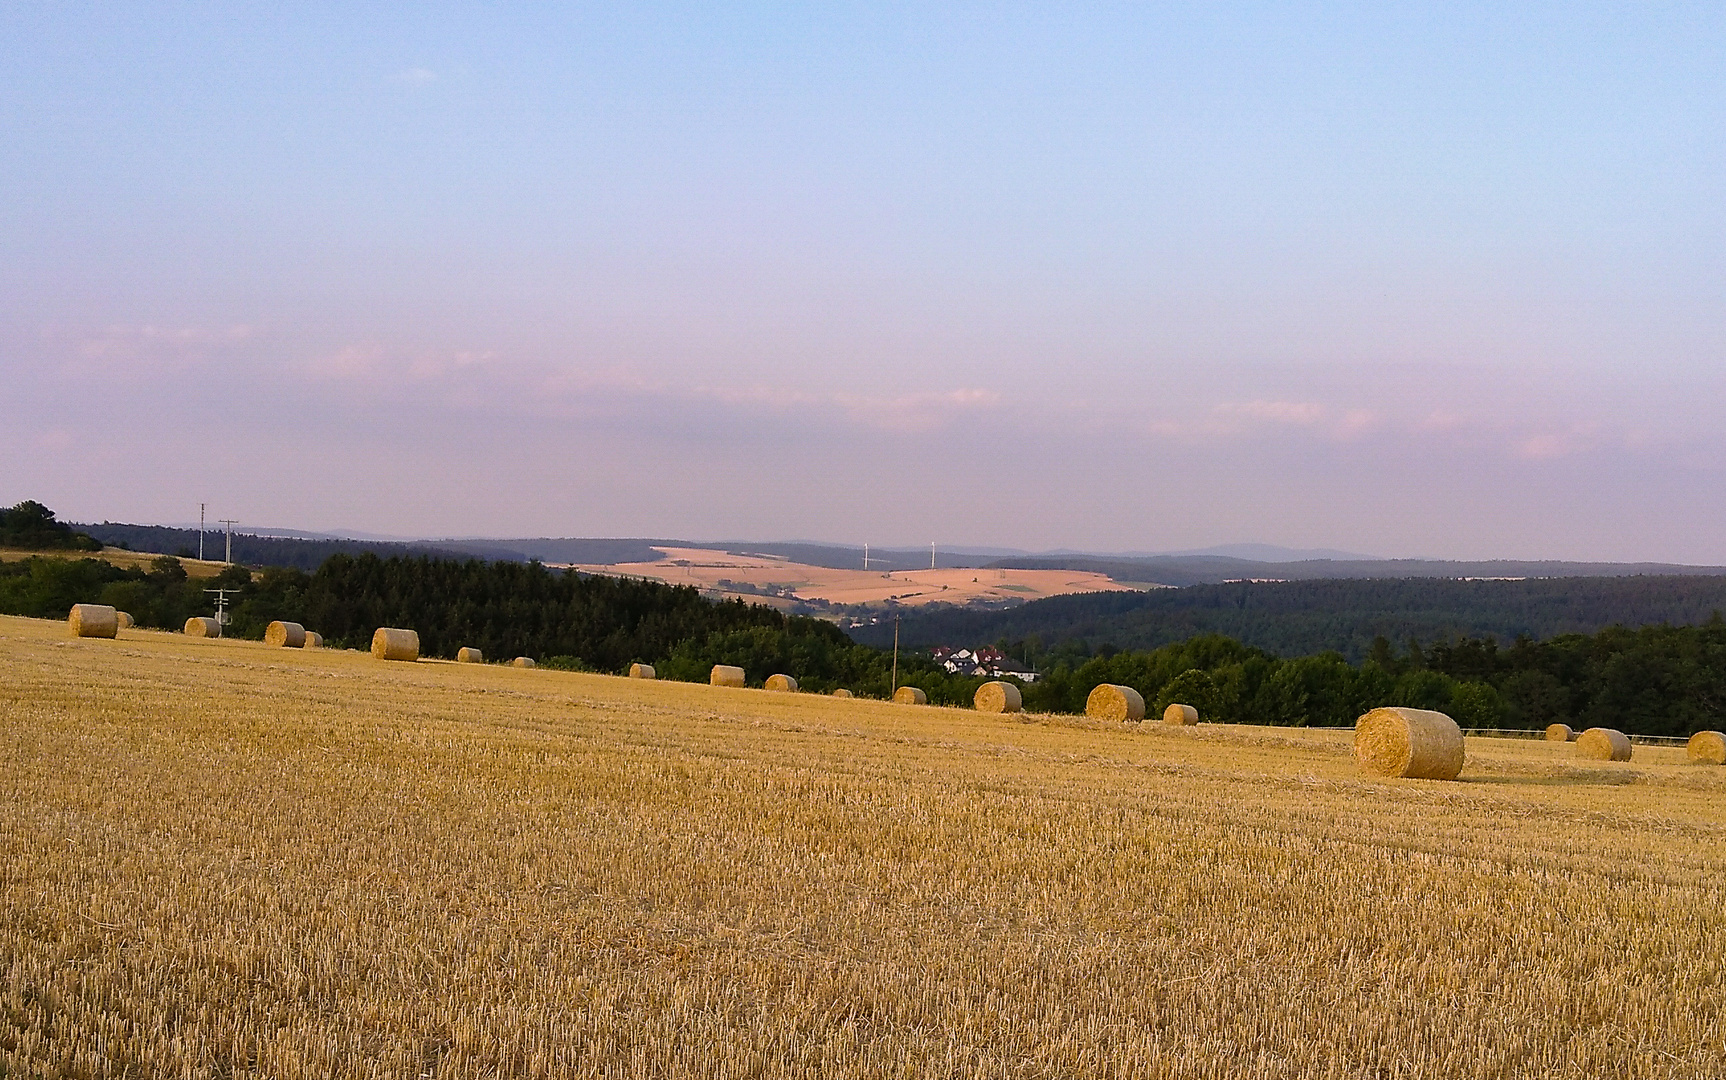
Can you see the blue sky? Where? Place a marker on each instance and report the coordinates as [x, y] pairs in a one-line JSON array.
[[1409, 279]]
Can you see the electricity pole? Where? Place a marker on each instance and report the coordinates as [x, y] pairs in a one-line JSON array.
[[200, 532], [895, 655], [221, 610], [865, 556], [931, 554], [229, 522]]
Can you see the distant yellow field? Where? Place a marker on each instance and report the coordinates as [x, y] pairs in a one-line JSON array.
[[219, 859], [138, 560], [706, 569]]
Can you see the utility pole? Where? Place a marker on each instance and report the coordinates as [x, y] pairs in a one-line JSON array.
[[230, 523], [895, 655], [865, 556], [221, 609], [200, 532], [931, 554]]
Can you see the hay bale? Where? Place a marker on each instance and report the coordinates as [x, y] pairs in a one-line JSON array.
[[642, 671], [1109, 701], [1707, 748], [1416, 743], [388, 644], [998, 697], [842, 692], [285, 635], [467, 654], [203, 626], [1181, 715], [1560, 733], [93, 620], [522, 662], [910, 695], [1603, 744], [125, 620], [783, 684], [314, 640], [725, 675]]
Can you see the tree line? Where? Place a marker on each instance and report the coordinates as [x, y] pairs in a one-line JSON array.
[[1303, 618], [1654, 680], [30, 526]]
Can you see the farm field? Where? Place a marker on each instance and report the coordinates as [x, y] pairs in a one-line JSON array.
[[221, 859], [127, 560], [706, 569]]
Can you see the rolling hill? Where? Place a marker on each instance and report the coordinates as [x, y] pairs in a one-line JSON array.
[[1303, 617]]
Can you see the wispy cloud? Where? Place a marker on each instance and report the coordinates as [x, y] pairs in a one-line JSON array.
[[416, 76], [1301, 413], [375, 363], [134, 350]]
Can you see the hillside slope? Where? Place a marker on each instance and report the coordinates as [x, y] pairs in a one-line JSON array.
[[1303, 617]]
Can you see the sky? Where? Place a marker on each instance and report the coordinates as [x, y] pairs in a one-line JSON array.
[[1440, 280]]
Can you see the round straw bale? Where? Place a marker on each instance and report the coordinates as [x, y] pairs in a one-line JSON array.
[[388, 644], [125, 620], [1109, 701], [1416, 743], [783, 683], [203, 626], [314, 640], [642, 671], [726, 675], [842, 692], [93, 620], [1560, 733], [1181, 715], [522, 661], [467, 654], [910, 695], [1707, 748], [1603, 744], [1001, 697], [285, 635]]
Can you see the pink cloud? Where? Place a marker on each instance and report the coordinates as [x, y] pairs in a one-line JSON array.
[[1303, 413]]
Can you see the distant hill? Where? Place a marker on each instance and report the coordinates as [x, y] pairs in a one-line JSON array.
[[1270, 553], [1302, 617], [566, 550], [249, 550], [1180, 570], [838, 557], [306, 553]]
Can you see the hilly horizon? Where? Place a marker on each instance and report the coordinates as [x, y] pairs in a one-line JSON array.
[[1197, 564], [1249, 551]]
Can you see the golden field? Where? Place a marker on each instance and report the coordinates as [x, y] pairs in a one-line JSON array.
[[219, 859], [705, 568], [127, 560]]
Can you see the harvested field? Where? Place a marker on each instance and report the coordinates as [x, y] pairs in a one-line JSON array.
[[707, 569], [130, 560], [221, 859]]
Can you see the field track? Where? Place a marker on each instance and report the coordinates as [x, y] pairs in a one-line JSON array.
[[219, 859]]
